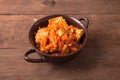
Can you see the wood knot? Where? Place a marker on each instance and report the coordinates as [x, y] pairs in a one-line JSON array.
[[49, 2]]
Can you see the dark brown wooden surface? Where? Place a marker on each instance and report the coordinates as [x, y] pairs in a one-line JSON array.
[[99, 60]]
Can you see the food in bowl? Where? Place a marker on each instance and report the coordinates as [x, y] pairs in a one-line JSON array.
[[58, 38]]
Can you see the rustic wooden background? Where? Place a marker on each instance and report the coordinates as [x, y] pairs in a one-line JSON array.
[[99, 60]]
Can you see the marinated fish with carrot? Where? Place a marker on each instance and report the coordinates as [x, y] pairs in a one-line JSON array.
[[58, 38]]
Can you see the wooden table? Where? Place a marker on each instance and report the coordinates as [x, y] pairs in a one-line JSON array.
[[99, 60]]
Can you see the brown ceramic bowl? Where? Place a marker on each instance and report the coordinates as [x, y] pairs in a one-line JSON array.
[[47, 57]]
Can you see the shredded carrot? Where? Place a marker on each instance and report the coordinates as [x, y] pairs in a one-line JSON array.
[[58, 37]]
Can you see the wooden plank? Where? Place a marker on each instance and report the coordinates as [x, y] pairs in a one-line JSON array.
[[59, 7], [103, 30], [14, 30], [99, 60], [91, 64]]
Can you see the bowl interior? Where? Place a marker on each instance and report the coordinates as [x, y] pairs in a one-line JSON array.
[[44, 22]]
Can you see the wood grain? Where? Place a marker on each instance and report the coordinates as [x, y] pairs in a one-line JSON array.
[[59, 7], [99, 60]]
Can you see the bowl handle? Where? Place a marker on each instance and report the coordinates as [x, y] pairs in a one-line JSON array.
[[27, 58], [86, 20]]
